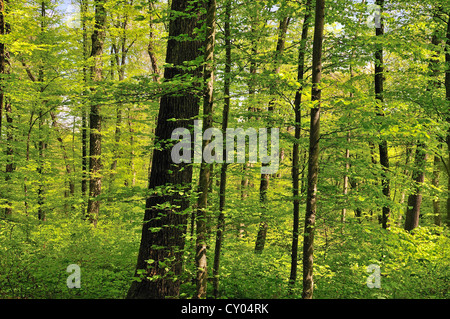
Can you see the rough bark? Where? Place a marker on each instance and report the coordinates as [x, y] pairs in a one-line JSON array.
[[163, 230]]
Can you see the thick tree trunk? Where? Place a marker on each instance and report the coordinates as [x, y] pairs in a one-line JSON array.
[[296, 146], [95, 121], [313, 164], [163, 230]]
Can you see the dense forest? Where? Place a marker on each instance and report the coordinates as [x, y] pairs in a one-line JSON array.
[[224, 149]]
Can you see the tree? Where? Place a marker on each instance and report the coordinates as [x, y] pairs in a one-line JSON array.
[[296, 146], [95, 121], [415, 198], [205, 168], [265, 178], [5, 103], [223, 170], [163, 230], [313, 159], [382, 146], [447, 97]]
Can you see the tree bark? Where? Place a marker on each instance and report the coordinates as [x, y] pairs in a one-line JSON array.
[[205, 168], [84, 121], [2, 62], [223, 170], [5, 104], [382, 146], [313, 164], [163, 229], [415, 198], [265, 178], [435, 183], [296, 146], [95, 121], [447, 96]]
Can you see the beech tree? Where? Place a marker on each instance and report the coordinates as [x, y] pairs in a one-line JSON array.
[[313, 157], [162, 239]]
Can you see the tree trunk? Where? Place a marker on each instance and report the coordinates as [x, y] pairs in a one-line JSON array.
[[163, 229], [435, 183], [2, 62], [151, 46], [382, 146], [41, 143], [447, 96], [265, 178], [313, 164], [84, 121], [120, 61], [205, 168], [223, 171], [95, 122], [5, 104], [64, 153], [296, 146], [9, 153], [415, 198]]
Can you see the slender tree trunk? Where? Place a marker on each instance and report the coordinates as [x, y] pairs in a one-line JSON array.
[[265, 178], [415, 198], [405, 173], [151, 45], [5, 104], [9, 153], [447, 96], [95, 122], [84, 121], [435, 183], [205, 168], [41, 143], [223, 171], [296, 146], [2, 62], [120, 61], [163, 230], [434, 67], [382, 146], [64, 153], [313, 164]]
